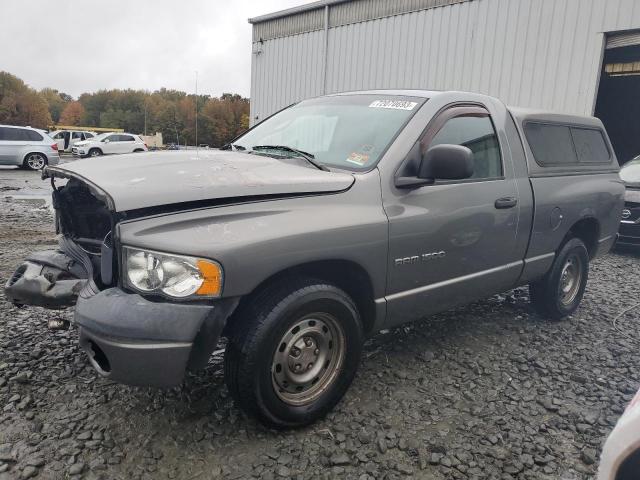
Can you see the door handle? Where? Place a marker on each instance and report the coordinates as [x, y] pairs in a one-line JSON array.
[[506, 202]]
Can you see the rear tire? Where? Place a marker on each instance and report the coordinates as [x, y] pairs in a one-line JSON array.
[[559, 292], [34, 161], [293, 352], [95, 152]]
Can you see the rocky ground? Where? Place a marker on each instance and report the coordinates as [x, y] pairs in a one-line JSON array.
[[487, 391]]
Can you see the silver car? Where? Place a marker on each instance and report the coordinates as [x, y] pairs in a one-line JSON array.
[[27, 147]]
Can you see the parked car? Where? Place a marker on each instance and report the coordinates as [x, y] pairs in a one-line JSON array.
[[27, 147], [66, 139], [172, 146], [333, 219], [109, 143], [629, 235], [620, 458]]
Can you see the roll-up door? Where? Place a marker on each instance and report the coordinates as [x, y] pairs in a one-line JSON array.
[[627, 39]]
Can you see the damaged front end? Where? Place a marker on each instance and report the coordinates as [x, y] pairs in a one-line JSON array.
[[49, 279], [55, 279]]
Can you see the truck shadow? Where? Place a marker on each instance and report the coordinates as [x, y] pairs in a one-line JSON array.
[[204, 397]]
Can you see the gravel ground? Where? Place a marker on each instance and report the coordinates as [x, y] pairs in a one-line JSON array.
[[487, 391]]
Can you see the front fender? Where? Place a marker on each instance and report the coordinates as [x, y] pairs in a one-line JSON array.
[[254, 241]]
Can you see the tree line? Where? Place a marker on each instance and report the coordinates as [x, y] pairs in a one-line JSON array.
[[171, 112]]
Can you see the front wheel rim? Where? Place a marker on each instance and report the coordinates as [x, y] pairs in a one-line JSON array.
[[570, 280], [308, 359], [95, 153], [35, 161]]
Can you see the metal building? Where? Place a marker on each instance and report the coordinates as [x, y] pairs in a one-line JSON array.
[[576, 56]]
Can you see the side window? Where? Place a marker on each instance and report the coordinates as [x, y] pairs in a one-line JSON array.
[[561, 145], [590, 145], [33, 136], [3, 133], [88, 135], [477, 133], [16, 135], [76, 135], [113, 138], [126, 138], [58, 136], [551, 144]]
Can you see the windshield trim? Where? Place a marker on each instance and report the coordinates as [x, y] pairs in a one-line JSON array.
[[421, 102]]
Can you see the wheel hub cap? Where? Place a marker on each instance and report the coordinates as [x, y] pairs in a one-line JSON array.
[[35, 161], [308, 359], [570, 280]]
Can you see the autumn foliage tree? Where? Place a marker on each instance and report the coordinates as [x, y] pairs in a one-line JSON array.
[[56, 101], [20, 104], [171, 112], [72, 114]]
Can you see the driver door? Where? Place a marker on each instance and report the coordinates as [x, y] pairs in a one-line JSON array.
[[111, 146], [454, 241]]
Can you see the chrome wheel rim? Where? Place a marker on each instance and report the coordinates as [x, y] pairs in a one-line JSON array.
[[35, 161], [308, 359], [570, 279], [95, 153]]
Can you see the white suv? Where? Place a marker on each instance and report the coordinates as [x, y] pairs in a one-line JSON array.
[[108, 143], [66, 139], [27, 147]]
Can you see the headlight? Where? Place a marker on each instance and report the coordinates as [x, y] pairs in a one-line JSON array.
[[172, 275]]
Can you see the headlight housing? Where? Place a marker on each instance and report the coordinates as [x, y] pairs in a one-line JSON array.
[[174, 276]]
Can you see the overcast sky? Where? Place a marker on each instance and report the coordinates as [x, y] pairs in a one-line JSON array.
[[84, 46]]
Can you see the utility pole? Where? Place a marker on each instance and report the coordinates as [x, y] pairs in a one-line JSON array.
[[145, 118], [196, 109]]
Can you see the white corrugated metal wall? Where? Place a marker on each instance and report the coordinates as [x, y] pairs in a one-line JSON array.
[[531, 53]]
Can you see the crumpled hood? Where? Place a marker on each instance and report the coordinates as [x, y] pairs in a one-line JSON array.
[[150, 179]]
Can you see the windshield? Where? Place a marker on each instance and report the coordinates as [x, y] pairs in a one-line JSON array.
[[344, 131], [630, 173]]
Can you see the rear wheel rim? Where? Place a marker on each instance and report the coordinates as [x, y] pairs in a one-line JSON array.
[[35, 161], [308, 359], [570, 279]]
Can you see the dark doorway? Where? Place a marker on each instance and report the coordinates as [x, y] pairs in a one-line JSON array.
[[618, 101]]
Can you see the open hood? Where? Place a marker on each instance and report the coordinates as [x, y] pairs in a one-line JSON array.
[[150, 179]]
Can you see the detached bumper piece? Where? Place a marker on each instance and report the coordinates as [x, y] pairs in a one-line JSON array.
[[141, 342], [49, 279]]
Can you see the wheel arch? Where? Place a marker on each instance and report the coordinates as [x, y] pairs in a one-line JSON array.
[[344, 274], [588, 230], [29, 152]]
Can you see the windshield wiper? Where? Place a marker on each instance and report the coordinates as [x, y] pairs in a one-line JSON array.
[[309, 157]]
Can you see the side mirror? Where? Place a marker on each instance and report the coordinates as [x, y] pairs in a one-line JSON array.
[[447, 162], [441, 162]]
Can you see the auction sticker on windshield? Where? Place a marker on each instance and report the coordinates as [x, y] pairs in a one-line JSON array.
[[359, 159], [394, 104]]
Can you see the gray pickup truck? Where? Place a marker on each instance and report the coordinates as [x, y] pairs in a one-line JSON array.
[[329, 221]]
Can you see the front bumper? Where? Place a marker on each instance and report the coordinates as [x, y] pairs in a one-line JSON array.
[[629, 235], [136, 341]]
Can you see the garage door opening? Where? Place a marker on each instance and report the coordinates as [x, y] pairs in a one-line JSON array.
[[618, 101]]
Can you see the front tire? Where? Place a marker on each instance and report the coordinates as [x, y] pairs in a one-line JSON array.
[[34, 161], [559, 293], [95, 152], [293, 352]]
